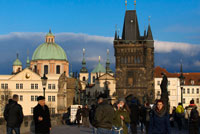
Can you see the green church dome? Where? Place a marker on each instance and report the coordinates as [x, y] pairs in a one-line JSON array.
[[49, 51], [17, 62], [99, 68]]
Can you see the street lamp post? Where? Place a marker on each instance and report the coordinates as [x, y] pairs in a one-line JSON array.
[[44, 83]]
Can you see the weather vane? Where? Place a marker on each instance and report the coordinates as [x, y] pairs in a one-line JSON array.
[[126, 4], [135, 4]]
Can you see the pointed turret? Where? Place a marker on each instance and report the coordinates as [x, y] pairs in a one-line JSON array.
[[108, 70], [149, 33], [116, 37], [17, 65], [83, 69], [145, 33], [27, 62], [50, 38], [130, 28]]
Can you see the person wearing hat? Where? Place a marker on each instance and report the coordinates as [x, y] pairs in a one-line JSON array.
[[121, 117], [41, 117]]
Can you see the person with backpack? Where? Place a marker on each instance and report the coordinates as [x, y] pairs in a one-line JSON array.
[[193, 119], [179, 115], [159, 119], [13, 115]]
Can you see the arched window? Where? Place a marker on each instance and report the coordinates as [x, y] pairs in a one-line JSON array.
[[58, 69], [45, 69], [93, 79], [84, 78]]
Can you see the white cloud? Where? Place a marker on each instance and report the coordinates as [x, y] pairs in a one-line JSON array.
[[197, 63], [168, 47]]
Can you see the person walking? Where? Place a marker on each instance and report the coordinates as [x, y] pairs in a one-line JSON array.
[[41, 117], [121, 118], [13, 114], [104, 115], [179, 115], [85, 115], [193, 118], [159, 120], [78, 115], [134, 115]]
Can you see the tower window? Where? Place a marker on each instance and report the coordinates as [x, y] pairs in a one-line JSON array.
[[46, 69], [58, 69], [35, 68], [83, 78]]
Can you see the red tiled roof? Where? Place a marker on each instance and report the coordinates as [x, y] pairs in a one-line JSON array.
[[189, 77]]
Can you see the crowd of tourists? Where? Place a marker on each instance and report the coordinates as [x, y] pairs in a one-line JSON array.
[[123, 117]]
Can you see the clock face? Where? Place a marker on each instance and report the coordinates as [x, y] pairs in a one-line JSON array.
[[27, 76]]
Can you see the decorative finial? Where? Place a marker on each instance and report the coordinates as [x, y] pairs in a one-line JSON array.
[[27, 52], [99, 59], [17, 55], [83, 51], [126, 4], [118, 33], [135, 4], [149, 19], [107, 51], [50, 30], [115, 27]]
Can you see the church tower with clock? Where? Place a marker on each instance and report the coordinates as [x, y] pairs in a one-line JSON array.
[[134, 57]]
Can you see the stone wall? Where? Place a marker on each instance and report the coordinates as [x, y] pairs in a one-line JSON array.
[[27, 126]]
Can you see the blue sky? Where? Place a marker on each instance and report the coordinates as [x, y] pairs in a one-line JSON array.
[[172, 21]]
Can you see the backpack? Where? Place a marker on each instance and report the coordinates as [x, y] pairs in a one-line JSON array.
[[194, 115]]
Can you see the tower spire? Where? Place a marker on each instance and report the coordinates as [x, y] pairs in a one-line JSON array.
[[108, 70], [83, 69], [27, 60], [149, 32], [116, 37]]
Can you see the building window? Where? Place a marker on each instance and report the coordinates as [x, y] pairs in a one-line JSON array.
[[158, 82], [21, 86], [168, 83], [2, 97], [93, 79], [197, 90], [53, 86], [32, 86], [49, 98], [36, 98], [183, 90], [197, 101], [53, 98], [36, 86], [188, 91], [21, 97], [35, 68], [6, 86], [32, 98], [192, 90], [83, 78], [45, 69], [2, 86], [183, 100], [17, 86], [58, 69], [49, 86], [53, 111]]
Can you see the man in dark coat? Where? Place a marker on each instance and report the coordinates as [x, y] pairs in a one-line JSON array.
[[134, 115], [78, 115], [104, 116], [159, 120], [41, 117], [13, 115]]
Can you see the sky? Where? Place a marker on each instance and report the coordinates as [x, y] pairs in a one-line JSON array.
[[91, 24]]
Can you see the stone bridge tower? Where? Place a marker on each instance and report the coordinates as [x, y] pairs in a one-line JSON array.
[[134, 55]]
